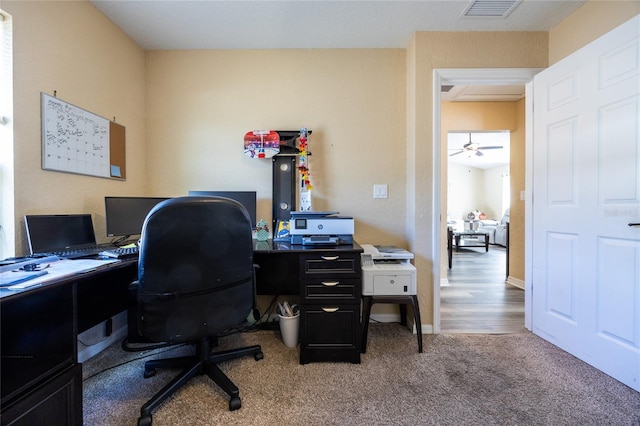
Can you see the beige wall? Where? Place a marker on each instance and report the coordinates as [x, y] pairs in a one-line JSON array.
[[465, 191], [471, 188], [201, 103], [71, 48], [186, 112], [593, 19]]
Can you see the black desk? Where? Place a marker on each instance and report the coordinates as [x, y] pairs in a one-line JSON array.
[[279, 268], [279, 262], [41, 376], [328, 280]]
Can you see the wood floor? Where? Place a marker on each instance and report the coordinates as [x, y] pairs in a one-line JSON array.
[[477, 299]]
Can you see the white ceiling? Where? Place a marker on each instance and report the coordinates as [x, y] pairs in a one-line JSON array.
[[276, 24], [487, 93], [490, 158], [318, 24]]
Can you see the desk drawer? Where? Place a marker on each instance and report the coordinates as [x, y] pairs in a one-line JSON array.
[[57, 401], [332, 264], [342, 289], [330, 333]]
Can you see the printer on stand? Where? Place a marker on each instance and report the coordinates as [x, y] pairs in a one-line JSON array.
[[389, 277], [320, 228], [387, 271]]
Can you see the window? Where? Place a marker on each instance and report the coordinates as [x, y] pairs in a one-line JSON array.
[[7, 216]]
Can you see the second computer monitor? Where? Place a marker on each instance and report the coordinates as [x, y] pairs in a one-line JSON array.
[[246, 198], [125, 215]]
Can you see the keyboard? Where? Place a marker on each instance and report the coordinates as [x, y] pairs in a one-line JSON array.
[[120, 252], [74, 253]]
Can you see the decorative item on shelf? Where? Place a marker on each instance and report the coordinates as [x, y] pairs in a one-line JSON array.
[[261, 144], [262, 230], [282, 231], [303, 168]]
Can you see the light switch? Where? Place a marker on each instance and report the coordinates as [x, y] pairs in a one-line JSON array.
[[522, 196], [379, 191]]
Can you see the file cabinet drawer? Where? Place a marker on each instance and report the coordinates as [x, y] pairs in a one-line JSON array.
[[330, 333], [342, 290], [330, 264]]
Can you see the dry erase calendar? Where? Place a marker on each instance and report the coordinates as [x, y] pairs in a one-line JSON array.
[[77, 141]]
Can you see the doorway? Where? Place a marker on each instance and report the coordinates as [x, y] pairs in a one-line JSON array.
[[475, 298], [463, 77]]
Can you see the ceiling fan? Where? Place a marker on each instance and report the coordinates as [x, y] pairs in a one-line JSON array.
[[474, 148]]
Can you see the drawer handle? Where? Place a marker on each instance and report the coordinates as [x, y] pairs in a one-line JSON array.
[[330, 283], [330, 310], [330, 257]]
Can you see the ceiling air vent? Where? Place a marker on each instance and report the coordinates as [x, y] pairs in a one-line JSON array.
[[490, 8], [446, 87]]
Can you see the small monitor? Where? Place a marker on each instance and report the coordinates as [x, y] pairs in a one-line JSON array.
[[52, 233], [246, 198], [125, 215]]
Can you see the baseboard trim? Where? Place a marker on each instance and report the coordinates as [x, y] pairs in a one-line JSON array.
[[444, 282], [86, 352], [515, 282]]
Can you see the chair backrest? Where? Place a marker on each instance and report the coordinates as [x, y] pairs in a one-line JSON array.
[[195, 270]]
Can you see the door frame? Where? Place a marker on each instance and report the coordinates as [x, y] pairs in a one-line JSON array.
[[477, 76]]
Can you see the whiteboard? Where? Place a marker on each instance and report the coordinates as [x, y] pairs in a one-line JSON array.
[[74, 140]]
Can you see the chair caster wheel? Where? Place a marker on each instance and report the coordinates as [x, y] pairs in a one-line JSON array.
[[235, 403], [258, 356], [149, 373], [144, 420]]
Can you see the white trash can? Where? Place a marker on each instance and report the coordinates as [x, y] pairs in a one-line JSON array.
[[289, 327]]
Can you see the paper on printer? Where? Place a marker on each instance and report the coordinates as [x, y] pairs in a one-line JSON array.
[[386, 252]]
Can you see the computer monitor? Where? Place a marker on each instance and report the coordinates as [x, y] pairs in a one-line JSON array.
[[125, 215], [246, 198], [52, 233]]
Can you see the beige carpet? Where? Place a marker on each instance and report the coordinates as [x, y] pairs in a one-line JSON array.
[[516, 379]]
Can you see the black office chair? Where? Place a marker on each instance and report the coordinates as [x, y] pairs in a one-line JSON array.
[[195, 282]]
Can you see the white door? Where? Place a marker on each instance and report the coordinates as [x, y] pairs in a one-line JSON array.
[[585, 266]]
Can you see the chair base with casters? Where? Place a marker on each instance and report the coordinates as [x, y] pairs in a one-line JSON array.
[[368, 302], [203, 362]]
